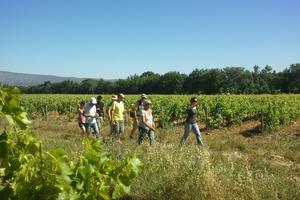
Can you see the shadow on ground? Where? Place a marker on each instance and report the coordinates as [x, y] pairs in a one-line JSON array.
[[252, 132]]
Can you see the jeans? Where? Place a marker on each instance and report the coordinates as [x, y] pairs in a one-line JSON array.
[[149, 132], [187, 128], [94, 126]]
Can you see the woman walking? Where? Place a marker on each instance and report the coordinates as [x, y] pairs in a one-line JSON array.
[[146, 124], [136, 113], [191, 122]]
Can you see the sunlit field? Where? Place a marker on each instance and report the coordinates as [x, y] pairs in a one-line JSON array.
[[235, 163]]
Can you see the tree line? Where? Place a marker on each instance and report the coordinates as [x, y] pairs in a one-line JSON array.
[[233, 80]]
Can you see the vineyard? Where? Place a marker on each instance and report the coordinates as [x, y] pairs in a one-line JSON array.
[[57, 163], [28, 171], [216, 111]]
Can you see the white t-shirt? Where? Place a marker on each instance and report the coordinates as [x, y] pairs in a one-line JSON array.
[[90, 110], [148, 118]]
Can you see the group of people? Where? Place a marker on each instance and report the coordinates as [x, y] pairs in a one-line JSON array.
[[91, 116]]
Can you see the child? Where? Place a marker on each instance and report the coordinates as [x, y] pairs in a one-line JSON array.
[[81, 117]]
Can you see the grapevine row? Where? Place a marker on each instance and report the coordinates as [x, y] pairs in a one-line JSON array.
[[216, 111]]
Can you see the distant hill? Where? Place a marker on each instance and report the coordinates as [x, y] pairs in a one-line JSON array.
[[22, 79]]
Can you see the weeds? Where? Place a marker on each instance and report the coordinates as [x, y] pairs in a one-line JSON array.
[[230, 166]]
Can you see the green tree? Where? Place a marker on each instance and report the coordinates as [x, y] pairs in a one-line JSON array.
[[171, 83], [237, 80], [88, 86]]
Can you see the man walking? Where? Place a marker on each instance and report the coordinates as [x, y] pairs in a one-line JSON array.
[[117, 116]]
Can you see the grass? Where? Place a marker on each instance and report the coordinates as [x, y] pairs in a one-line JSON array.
[[232, 165]]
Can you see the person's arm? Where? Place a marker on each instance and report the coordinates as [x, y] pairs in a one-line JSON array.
[[153, 124], [85, 114], [135, 110], [112, 112], [88, 115], [135, 114], [109, 113]]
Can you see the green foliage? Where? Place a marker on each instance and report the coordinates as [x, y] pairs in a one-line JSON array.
[[29, 172], [234, 80], [223, 110]]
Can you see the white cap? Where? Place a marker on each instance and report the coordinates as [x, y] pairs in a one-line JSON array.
[[93, 100], [114, 97]]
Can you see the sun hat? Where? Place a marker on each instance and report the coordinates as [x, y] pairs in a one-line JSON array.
[[143, 96], [121, 95], [93, 100], [114, 97], [194, 99], [147, 102]]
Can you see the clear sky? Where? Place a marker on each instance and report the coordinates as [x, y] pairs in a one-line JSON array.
[[116, 38]]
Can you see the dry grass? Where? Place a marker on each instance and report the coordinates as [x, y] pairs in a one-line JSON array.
[[236, 163]]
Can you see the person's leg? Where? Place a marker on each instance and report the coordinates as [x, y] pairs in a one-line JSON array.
[[98, 123], [117, 130], [95, 128], [101, 124], [187, 129], [197, 133], [134, 127], [82, 127], [121, 129], [151, 136], [142, 132], [122, 126], [111, 130], [87, 129]]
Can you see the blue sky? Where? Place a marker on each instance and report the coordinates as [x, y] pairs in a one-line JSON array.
[[114, 39]]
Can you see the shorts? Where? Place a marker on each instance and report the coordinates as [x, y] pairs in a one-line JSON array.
[[119, 127]]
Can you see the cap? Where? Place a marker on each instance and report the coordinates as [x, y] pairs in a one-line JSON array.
[[114, 97], [93, 100], [194, 99], [147, 102], [121, 95], [143, 96]]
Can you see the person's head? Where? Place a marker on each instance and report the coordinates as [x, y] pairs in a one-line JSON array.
[[147, 104], [143, 97], [99, 98], [194, 101], [81, 104], [114, 98], [93, 101], [121, 97]]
